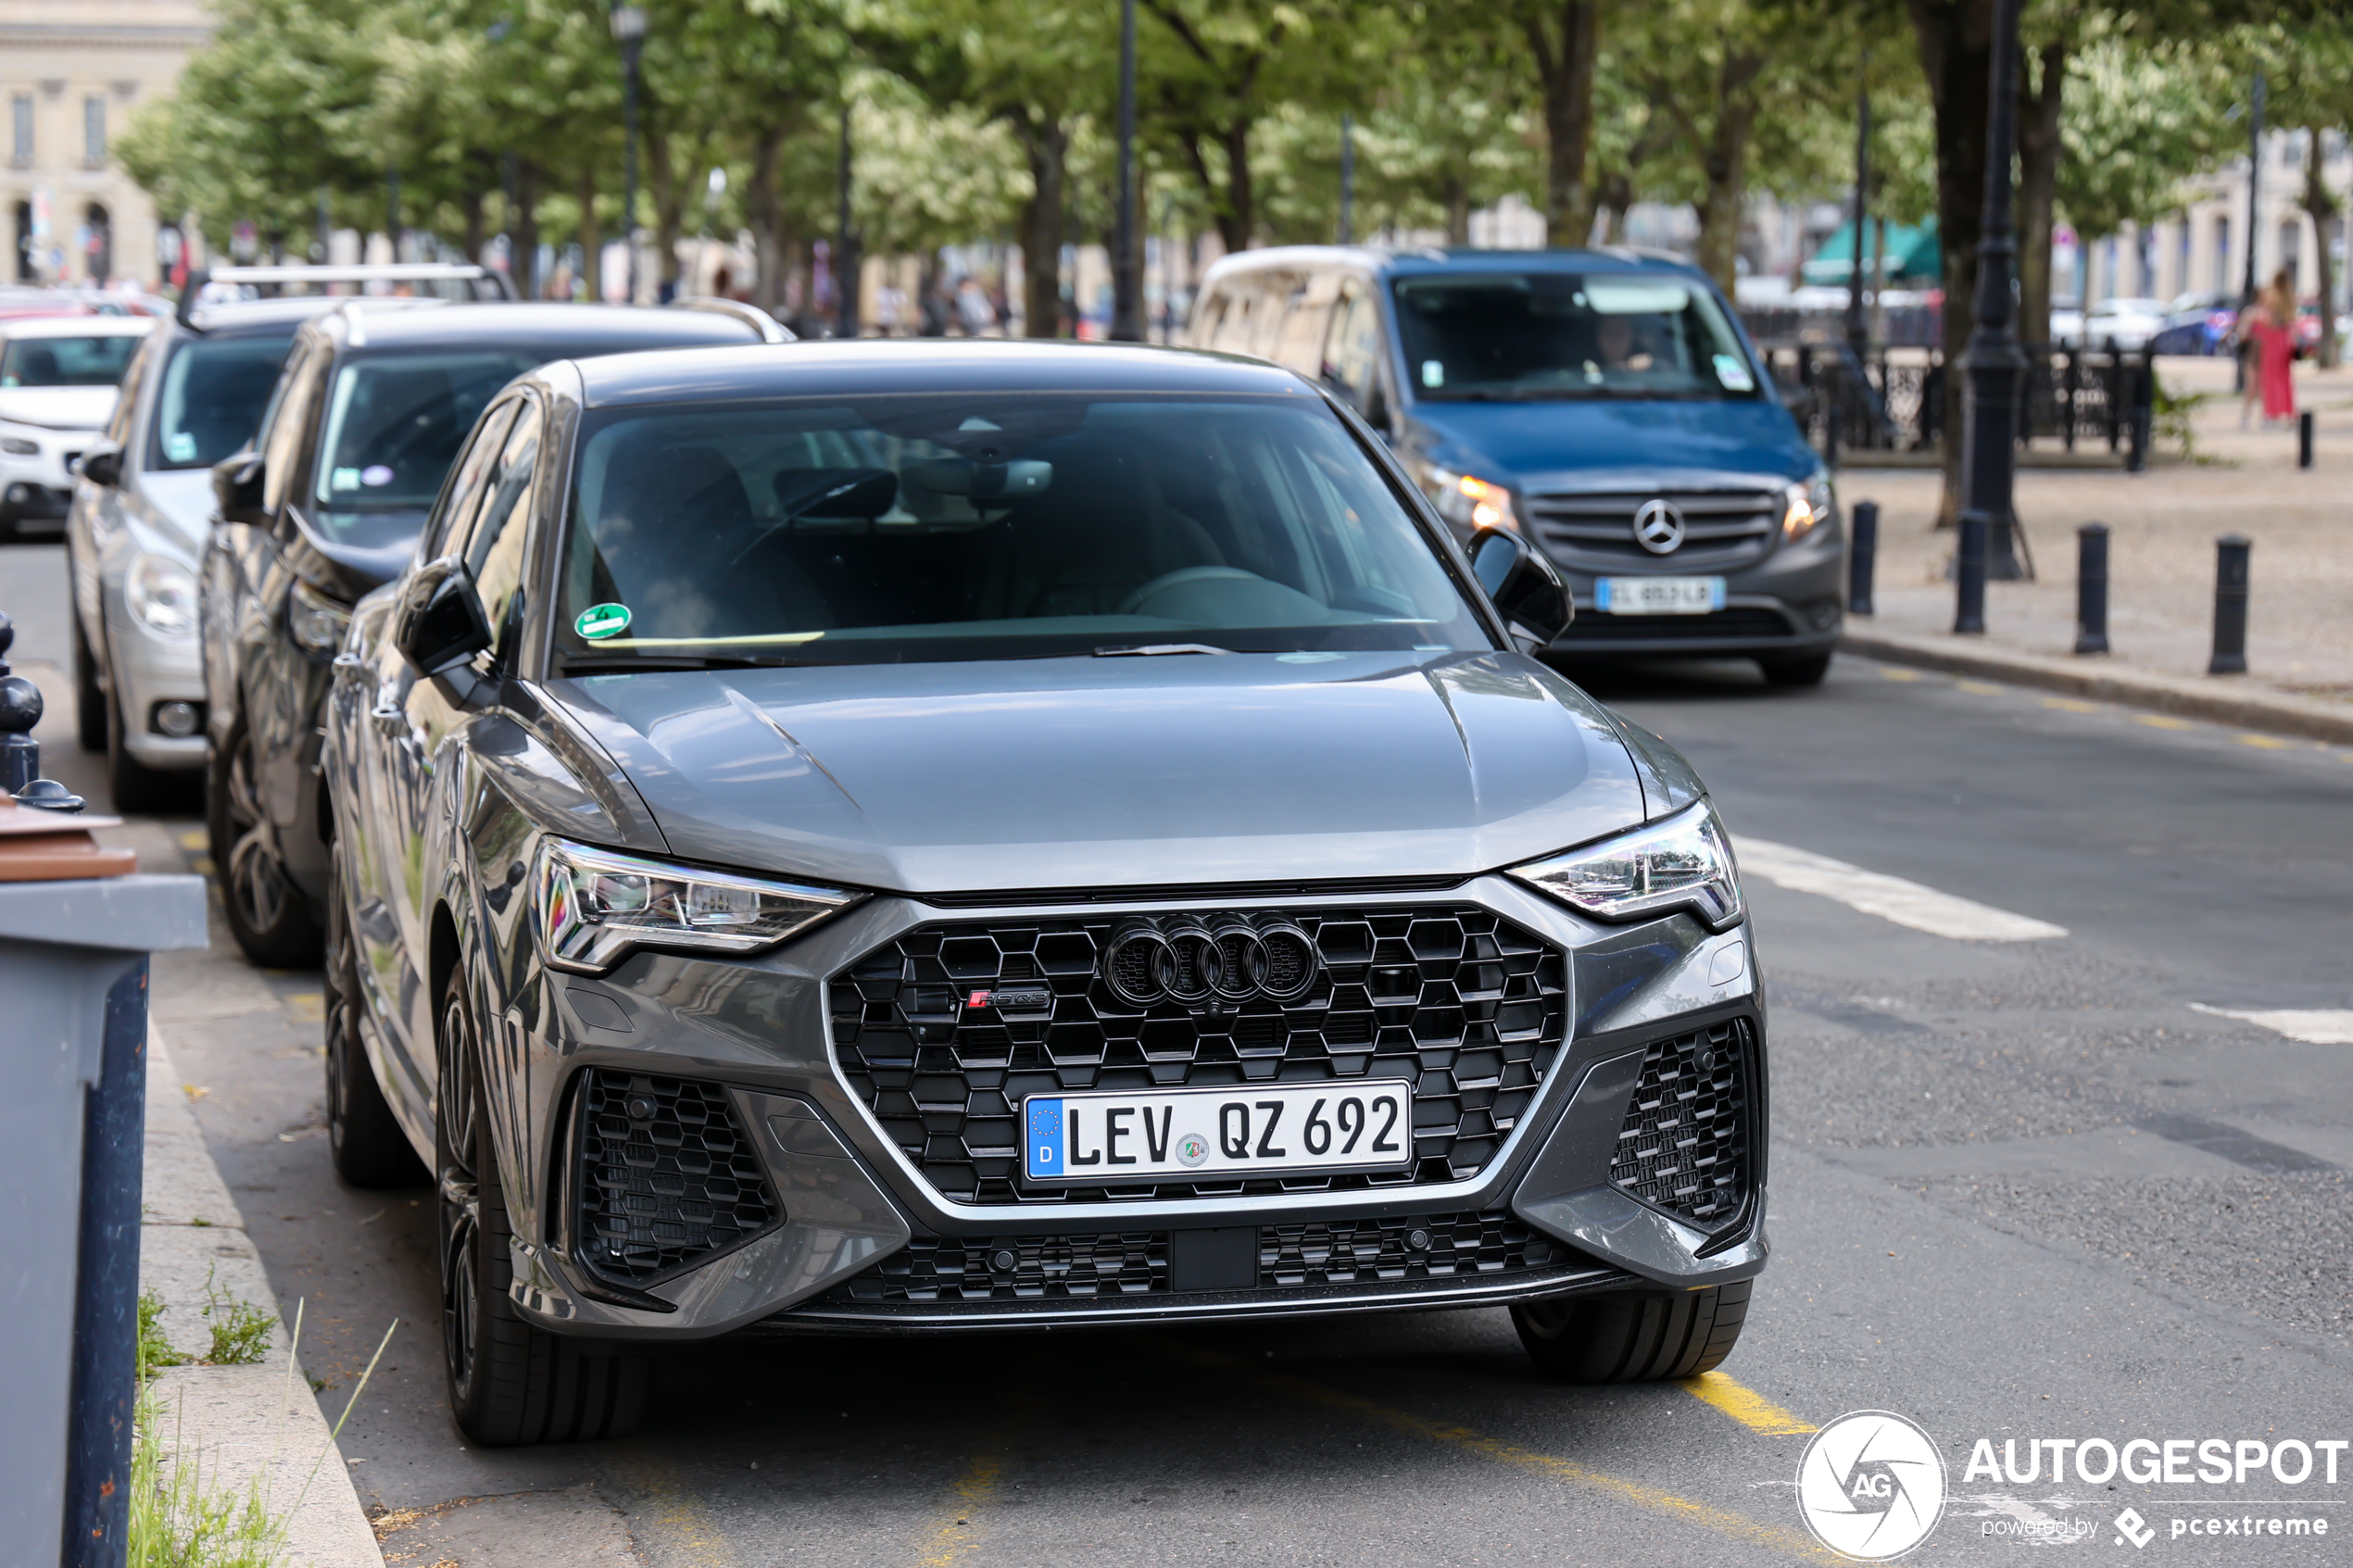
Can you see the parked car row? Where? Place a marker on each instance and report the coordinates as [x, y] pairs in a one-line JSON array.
[[924, 836]]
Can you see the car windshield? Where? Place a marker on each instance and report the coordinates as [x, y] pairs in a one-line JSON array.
[[66, 361], [884, 530], [210, 403], [395, 422], [1553, 334]]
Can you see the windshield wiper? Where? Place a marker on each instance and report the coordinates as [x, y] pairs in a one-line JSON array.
[[1153, 650]]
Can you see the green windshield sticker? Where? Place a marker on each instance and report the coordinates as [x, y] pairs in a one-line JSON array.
[[598, 622]]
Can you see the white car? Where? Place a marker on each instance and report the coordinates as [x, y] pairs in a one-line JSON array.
[[59, 379], [2124, 323]]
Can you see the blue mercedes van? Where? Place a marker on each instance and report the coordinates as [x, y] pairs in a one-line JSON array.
[[1603, 402]]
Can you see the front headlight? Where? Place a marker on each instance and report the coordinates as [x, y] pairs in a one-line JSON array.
[[1684, 863], [1809, 506], [317, 622], [161, 593], [593, 907], [1467, 501]]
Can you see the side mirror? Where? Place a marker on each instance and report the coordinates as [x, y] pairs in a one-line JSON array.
[[1523, 584], [236, 487], [101, 466], [439, 622]]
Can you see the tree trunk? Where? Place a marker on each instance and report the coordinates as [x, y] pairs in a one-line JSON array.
[[761, 206], [477, 229], [523, 229], [1725, 203], [669, 203], [2038, 158], [1565, 70], [2321, 205], [1458, 210], [591, 239], [1047, 144], [1956, 40]]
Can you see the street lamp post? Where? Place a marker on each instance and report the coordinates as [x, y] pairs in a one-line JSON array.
[[1857, 332], [845, 274], [1127, 276], [1989, 421], [629, 30], [1348, 179]]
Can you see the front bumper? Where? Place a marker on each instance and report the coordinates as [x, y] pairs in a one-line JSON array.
[[146, 671], [860, 1238], [39, 486], [1792, 602]]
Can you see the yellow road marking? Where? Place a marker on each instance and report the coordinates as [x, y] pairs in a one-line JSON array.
[[2160, 722], [1886, 672], [1978, 688], [1746, 1406], [307, 1006], [2269, 743], [2068, 705], [688, 1532], [195, 838], [960, 1534]]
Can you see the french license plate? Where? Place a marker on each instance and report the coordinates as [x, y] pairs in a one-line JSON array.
[[1658, 595], [1249, 1130]]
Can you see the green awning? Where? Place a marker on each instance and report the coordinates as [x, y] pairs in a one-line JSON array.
[[1912, 254]]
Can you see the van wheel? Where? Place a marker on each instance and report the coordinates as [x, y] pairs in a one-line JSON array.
[[1796, 670], [1633, 1338], [363, 1136], [266, 912], [510, 1382]]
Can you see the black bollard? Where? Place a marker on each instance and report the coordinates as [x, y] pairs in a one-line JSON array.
[[2230, 606], [19, 753], [2090, 588], [2304, 439], [1968, 576], [1861, 554]]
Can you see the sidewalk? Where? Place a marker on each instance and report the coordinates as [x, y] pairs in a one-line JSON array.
[[2162, 525], [240, 1421]]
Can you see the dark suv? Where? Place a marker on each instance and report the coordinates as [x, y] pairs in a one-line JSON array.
[[374, 401]]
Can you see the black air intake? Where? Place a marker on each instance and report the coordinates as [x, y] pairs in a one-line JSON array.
[[666, 1177]]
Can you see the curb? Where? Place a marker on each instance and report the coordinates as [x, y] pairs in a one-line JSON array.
[[241, 1425], [2217, 701]]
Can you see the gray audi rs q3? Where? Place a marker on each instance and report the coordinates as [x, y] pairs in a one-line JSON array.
[[880, 837]]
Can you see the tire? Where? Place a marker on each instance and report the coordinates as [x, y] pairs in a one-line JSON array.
[[510, 1382], [1633, 1338], [363, 1136], [1796, 670], [89, 696], [134, 786], [265, 911]]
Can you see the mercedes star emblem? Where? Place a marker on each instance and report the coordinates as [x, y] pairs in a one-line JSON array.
[[1658, 527]]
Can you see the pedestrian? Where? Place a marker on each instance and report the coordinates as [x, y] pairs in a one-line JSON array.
[[2276, 350]]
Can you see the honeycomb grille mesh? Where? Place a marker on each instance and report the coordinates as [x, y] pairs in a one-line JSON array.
[[1684, 1144], [667, 1176], [1135, 1263], [1462, 1003]]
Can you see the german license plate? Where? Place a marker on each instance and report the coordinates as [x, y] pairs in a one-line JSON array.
[[1658, 595], [1252, 1130]]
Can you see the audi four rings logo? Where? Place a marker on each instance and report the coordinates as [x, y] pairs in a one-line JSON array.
[[1658, 526], [1225, 959]]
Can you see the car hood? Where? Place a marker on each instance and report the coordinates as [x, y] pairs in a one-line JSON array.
[[58, 407], [178, 504], [1090, 773], [1574, 446]]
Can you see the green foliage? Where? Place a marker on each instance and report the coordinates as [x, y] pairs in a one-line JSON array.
[[2138, 119]]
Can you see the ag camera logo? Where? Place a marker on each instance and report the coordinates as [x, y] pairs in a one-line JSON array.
[[1872, 1485]]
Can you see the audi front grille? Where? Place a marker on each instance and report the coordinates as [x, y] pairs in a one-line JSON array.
[[943, 1032]]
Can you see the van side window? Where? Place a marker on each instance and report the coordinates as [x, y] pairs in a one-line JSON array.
[[1353, 356], [1299, 342], [1236, 328]]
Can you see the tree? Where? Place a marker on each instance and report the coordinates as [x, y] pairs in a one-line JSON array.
[[2309, 67]]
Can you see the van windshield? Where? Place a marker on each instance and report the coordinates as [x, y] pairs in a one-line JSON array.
[[1559, 335], [890, 528]]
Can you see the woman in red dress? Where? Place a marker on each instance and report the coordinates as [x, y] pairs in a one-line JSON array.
[[2273, 330]]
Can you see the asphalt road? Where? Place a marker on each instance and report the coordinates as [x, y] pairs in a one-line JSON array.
[[2021, 1190]]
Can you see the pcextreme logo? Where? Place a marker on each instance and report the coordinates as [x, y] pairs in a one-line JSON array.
[[1872, 1485]]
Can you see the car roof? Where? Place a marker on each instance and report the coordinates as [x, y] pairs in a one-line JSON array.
[[239, 317], [77, 326], [869, 365], [564, 330], [1426, 260]]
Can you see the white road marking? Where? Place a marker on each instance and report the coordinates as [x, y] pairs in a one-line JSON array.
[[2314, 1026], [1889, 897]]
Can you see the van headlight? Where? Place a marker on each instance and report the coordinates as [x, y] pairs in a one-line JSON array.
[[1808, 507], [1467, 500], [593, 907], [1684, 862], [161, 593]]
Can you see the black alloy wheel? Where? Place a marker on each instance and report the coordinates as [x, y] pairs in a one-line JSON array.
[[266, 912], [1626, 1337], [363, 1136], [89, 696], [511, 1382]]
